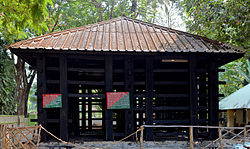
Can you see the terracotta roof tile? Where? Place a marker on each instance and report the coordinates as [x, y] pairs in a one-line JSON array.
[[125, 34]]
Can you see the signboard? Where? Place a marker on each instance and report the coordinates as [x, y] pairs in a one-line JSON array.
[[118, 100], [52, 100]]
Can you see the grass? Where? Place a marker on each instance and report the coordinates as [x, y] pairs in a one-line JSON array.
[[32, 116]]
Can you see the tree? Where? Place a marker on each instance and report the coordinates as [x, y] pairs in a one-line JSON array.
[[18, 20], [7, 82], [226, 21], [16, 16], [66, 14]]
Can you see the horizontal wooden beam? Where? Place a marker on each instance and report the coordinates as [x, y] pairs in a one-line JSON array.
[[171, 95], [117, 134], [170, 82], [170, 70], [101, 83], [166, 134], [160, 108], [170, 121], [87, 95], [52, 68]]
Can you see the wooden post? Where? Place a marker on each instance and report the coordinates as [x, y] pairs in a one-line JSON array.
[[64, 92], [213, 101], [230, 118], [193, 97], [149, 97], [245, 135], [248, 116], [41, 89], [108, 88], [191, 137], [129, 86], [244, 114], [220, 139], [2, 136], [89, 115], [141, 137], [239, 117]]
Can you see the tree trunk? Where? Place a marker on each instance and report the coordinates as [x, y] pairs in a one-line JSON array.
[[112, 9], [133, 8], [23, 85]]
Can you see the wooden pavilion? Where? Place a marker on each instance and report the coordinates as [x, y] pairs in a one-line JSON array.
[[171, 77]]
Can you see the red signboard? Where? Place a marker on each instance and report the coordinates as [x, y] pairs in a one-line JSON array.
[[52, 101], [118, 100]]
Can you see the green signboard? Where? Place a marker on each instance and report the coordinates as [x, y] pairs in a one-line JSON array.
[[118, 100], [52, 100]]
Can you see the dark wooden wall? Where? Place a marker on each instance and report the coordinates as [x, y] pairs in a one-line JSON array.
[[161, 92]]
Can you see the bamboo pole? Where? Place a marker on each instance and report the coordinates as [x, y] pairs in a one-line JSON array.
[[141, 137], [1, 136], [191, 137], [245, 135], [220, 138]]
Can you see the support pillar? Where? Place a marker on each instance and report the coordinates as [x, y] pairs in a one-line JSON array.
[[230, 118], [213, 98], [149, 97], [193, 97], [129, 87], [108, 88], [64, 92], [41, 89]]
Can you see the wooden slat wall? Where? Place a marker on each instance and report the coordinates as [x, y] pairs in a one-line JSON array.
[[160, 92]]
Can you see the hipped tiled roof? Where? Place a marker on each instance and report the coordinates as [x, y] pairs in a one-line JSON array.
[[125, 34]]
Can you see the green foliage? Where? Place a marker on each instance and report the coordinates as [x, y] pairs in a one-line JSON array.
[[18, 15], [19, 19], [226, 21], [66, 14], [7, 82], [32, 106], [32, 116]]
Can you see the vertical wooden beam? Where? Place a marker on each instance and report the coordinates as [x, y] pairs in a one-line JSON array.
[[193, 97], [89, 115], [41, 89], [83, 114], [75, 117], [220, 138], [64, 92], [213, 102], [191, 138], [239, 117], [230, 118], [149, 97], [248, 116], [244, 113], [141, 137], [108, 88], [129, 86]]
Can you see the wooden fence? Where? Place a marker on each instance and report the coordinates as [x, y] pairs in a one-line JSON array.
[[19, 137], [228, 136]]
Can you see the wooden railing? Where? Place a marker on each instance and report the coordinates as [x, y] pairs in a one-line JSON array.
[[227, 135]]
